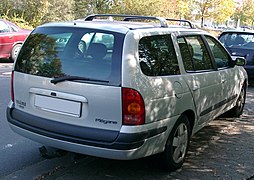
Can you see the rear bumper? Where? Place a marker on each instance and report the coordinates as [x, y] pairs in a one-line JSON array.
[[125, 146]]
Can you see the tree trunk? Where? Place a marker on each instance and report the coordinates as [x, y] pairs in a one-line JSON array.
[[202, 21]]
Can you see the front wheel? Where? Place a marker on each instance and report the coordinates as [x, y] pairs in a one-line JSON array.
[[177, 145]]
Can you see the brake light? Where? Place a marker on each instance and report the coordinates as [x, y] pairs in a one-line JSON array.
[[133, 107], [12, 90]]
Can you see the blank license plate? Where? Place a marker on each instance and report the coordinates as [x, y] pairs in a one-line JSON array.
[[60, 106]]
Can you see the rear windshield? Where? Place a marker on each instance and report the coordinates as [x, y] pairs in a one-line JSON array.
[[58, 52], [238, 40]]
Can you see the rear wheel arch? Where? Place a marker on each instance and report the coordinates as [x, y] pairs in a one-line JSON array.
[[177, 144], [185, 124]]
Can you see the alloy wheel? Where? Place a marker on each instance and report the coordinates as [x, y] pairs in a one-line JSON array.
[[180, 143]]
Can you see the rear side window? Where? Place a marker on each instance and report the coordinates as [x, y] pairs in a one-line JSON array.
[[157, 56], [56, 52]]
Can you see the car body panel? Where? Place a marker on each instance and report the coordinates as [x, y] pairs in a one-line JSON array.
[[89, 101], [206, 90]]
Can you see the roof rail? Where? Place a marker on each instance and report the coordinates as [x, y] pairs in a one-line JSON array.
[[163, 21], [181, 20]]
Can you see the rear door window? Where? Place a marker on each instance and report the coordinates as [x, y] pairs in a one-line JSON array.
[[56, 52], [195, 54]]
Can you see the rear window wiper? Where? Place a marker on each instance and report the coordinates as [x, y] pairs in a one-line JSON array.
[[75, 78]]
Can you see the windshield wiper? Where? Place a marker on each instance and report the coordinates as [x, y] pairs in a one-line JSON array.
[[75, 78]]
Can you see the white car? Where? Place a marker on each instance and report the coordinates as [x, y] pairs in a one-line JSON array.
[[122, 89]]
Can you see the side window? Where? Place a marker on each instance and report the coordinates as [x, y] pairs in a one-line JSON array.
[[4, 27], [14, 28], [157, 56], [97, 45], [222, 58], [106, 39], [186, 53], [200, 56]]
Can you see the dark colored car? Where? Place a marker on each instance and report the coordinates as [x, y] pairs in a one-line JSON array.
[[11, 39], [240, 43]]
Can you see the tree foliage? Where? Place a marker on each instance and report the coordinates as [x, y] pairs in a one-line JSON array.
[[218, 11], [140, 7], [223, 10], [249, 20], [58, 10], [36, 12], [244, 13], [184, 9], [82, 8]]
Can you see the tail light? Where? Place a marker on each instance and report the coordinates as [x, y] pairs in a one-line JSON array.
[[12, 90], [133, 107]]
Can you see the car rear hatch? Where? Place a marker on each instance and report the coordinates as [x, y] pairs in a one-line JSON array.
[[69, 80]]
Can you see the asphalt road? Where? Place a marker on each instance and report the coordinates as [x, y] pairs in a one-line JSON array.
[[222, 150], [16, 152]]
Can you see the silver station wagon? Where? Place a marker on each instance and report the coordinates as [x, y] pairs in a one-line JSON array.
[[123, 87]]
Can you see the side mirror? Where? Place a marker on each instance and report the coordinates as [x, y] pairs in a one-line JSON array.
[[240, 61]]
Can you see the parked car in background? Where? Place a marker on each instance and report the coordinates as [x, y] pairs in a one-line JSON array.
[[240, 43], [11, 39], [122, 89]]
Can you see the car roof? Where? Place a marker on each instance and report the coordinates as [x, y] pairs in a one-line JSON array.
[[123, 26], [238, 31]]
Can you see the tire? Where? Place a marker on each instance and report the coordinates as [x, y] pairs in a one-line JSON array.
[[15, 51], [177, 145], [237, 110]]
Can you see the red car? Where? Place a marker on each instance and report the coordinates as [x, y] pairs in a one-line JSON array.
[[11, 39]]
